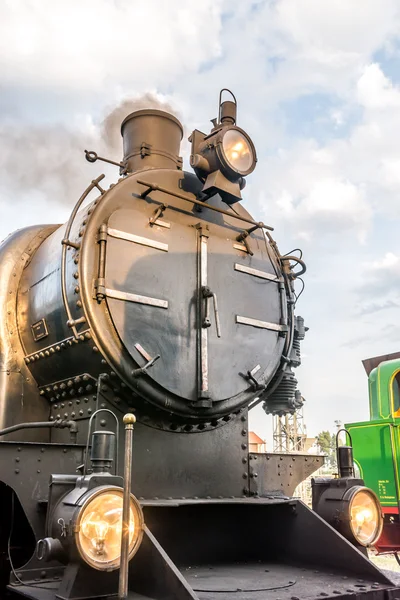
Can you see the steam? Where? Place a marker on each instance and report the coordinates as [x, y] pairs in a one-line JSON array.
[[49, 160]]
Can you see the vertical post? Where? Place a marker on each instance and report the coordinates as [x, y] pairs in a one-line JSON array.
[[129, 421], [204, 393]]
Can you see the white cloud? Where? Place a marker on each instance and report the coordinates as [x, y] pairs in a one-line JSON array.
[[95, 44], [375, 91], [389, 263]]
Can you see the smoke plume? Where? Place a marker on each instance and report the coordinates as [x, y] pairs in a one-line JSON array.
[[50, 160]]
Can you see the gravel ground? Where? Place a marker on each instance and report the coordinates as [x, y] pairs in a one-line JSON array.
[[389, 565]]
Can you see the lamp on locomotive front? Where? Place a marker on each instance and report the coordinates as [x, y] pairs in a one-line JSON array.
[[345, 502], [225, 156], [85, 520]]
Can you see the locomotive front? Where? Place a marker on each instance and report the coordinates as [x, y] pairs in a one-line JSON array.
[[164, 298], [180, 300]]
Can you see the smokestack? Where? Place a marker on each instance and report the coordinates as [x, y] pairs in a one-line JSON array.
[[151, 140]]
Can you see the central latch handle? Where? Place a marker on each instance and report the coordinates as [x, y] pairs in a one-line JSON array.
[[207, 294]]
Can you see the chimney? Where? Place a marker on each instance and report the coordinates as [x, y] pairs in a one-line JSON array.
[[151, 140]]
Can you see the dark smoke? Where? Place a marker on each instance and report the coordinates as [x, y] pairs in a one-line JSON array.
[[50, 160]]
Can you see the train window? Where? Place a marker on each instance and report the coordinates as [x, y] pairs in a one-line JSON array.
[[396, 395]]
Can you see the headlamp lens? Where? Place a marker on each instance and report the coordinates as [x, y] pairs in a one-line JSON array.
[[99, 527], [365, 517], [237, 151]]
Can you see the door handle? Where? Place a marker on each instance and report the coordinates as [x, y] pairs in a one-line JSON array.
[[207, 295]]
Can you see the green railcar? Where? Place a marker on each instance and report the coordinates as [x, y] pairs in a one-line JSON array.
[[376, 445]]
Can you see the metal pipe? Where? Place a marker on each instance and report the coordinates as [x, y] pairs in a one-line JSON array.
[[40, 424], [129, 420]]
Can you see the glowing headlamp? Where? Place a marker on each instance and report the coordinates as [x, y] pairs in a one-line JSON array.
[[97, 528], [223, 158], [349, 507], [87, 525], [364, 517]]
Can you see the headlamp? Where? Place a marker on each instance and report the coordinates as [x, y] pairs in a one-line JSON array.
[[364, 515], [98, 528], [224, 157], [237, 151], [87, 526], [350, 507]]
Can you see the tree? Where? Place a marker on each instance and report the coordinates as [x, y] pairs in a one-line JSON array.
[[327, 443]]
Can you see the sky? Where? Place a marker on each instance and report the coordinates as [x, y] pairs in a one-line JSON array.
[[318, 89]]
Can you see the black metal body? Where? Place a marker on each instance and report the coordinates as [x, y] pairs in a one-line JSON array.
[[154, 301]]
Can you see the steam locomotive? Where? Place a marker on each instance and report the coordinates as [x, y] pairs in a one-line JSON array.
[[377, 445], [162, 297]]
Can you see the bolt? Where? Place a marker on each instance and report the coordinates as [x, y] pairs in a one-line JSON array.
[[16, 471], [103, 422]]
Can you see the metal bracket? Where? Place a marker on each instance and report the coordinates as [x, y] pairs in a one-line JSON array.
[[242, 237], [159, 212], [249, 376], [142, 370], [145, 149]]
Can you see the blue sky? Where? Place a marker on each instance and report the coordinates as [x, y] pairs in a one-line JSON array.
[[318, 87]]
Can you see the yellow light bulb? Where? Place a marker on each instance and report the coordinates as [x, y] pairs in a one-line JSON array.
[[365, 519], [101, 526], [237, 150]]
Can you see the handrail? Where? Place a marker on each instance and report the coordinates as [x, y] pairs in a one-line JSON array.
[[153, 187], [66, 242]]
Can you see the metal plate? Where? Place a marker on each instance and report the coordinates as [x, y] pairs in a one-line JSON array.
[[259, 324], [256, 272], [39, 330]]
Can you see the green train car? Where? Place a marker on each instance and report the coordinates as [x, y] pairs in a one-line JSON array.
[[376, 445]]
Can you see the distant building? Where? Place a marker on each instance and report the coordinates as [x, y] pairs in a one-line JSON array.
[[256, 444]]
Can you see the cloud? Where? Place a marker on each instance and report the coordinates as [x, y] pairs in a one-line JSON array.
[[48, 160], [93, 45], [375, 91]]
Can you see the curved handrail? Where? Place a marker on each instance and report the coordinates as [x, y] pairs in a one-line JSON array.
[[66, 242]]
